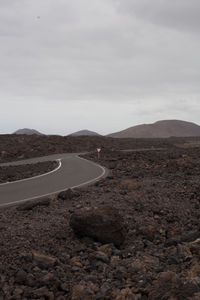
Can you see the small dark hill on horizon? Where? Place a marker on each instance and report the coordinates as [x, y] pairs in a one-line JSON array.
[[84, 132], [160, 129], [27, 131]]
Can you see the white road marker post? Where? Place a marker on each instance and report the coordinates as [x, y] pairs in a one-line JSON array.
[[98, 152]]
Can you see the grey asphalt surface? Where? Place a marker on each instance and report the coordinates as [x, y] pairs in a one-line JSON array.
[[74, 171]]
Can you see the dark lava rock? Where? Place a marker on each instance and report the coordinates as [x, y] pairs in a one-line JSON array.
[[190, 236], [21, 277], [67, 195], [146, 233], [43, 261], [173, 241], [170, 286], [103, 223], [80, 292], [32, 204]]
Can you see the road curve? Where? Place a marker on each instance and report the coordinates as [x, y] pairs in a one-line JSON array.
[[73, 171]]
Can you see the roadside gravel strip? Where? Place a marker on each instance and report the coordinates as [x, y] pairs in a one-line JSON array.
[[73, 172]]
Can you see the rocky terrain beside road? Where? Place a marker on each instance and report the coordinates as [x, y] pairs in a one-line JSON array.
[[15, 147], [150, 200], [13, 173]]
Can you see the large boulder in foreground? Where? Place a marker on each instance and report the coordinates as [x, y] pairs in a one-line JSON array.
[[103, 223]]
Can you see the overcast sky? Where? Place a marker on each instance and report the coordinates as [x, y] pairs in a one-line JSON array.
[[104, 65]]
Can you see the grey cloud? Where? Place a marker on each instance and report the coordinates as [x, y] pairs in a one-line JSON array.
[[180, 14], [116, 53]]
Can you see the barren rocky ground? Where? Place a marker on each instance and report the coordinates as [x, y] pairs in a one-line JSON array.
[[13, 173], [16, 147], [152, 251]]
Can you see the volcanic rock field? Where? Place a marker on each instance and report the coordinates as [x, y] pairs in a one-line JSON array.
[[14, 173], [134, 235]]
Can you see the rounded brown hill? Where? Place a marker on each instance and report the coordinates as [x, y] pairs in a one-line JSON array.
[[27, 131], [85, 132], [160, 129]]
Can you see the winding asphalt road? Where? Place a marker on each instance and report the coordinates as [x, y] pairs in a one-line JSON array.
[[72, 171]]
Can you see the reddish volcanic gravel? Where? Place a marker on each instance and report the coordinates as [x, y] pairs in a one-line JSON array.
[[155, 253], [13, 173]]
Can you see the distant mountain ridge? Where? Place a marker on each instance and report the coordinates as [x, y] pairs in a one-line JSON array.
[[160, 129], [27, 131], [85, 132]]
